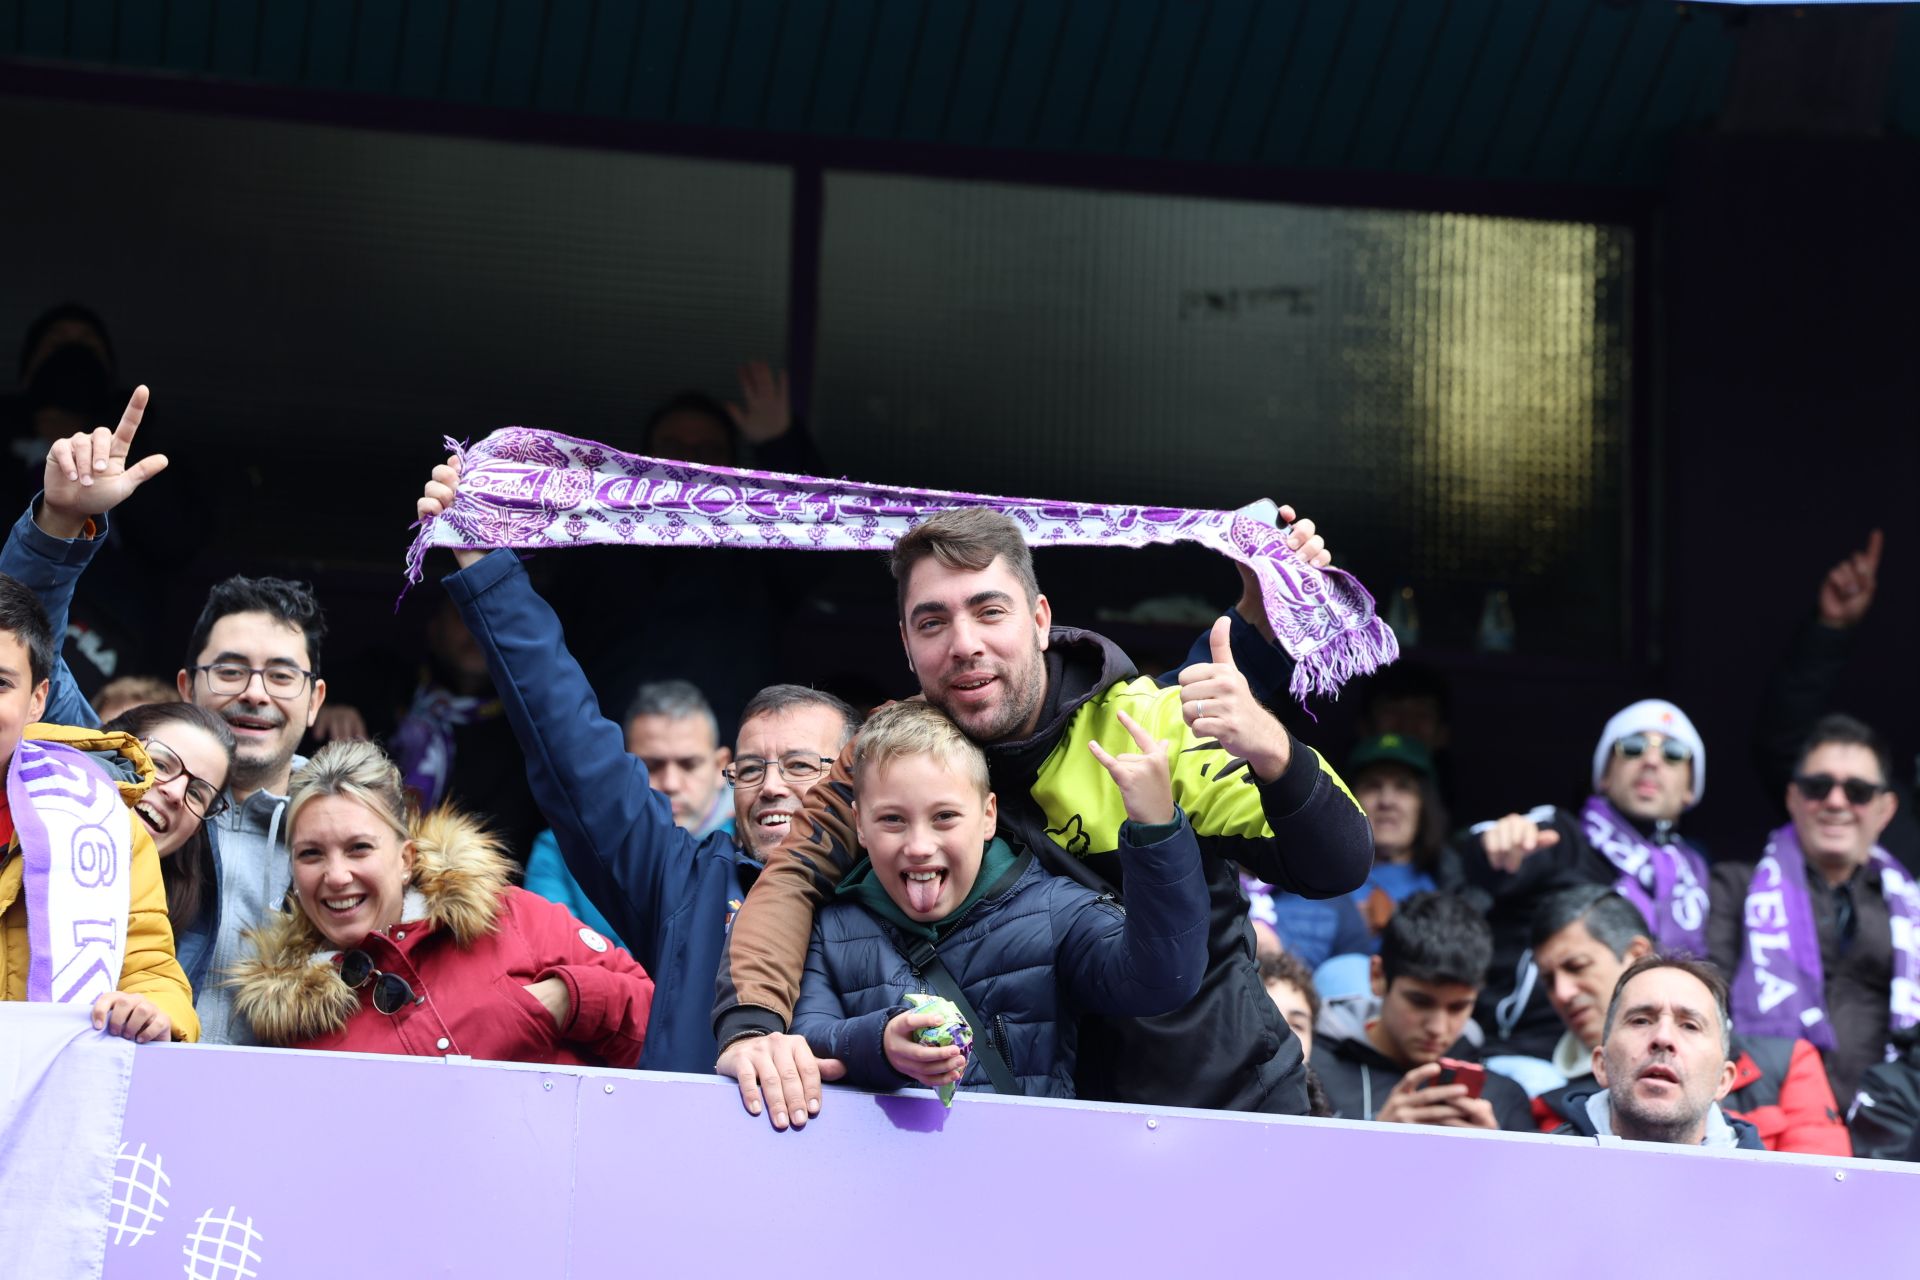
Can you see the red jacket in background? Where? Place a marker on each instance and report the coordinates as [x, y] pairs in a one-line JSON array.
[[1780, 1087]]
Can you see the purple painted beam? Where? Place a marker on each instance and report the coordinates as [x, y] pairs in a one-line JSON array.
[[326, 1165]]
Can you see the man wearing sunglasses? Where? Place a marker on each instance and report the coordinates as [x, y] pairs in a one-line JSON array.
[[1649, 768], [1822, 934]]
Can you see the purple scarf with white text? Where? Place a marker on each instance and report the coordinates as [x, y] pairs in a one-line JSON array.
[[1667, 882], [76, 844], [526, 488], [1779, 988]]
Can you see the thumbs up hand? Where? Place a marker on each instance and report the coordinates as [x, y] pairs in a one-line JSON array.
[[1218, 706]]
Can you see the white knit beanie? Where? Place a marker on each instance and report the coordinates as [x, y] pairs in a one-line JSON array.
[[1653, 715]]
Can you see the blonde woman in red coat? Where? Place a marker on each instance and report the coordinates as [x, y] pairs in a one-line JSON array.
[[407, 938]]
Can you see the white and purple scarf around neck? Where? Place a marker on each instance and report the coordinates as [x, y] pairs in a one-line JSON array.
[[528, 489], [1779, 988], [76, 846], [1667, 882]]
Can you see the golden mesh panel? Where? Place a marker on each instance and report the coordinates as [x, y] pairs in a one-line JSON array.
[[1447, 394]]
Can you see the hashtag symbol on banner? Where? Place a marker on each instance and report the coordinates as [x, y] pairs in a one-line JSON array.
[[225, 1254], [137, 1198]]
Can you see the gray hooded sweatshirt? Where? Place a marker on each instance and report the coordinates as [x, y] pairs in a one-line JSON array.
[[255, 874]]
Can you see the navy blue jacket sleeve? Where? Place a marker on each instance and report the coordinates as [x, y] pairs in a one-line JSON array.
[[50, 567], [821, 1017], [615, 832], [1147, 959]]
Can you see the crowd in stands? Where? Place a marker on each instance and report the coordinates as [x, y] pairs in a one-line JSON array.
[[1134, 888]]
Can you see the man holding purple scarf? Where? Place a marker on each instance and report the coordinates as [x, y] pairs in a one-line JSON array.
[[1822, 935]]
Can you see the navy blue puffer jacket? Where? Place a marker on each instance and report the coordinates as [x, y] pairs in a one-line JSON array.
[[1032, 955]]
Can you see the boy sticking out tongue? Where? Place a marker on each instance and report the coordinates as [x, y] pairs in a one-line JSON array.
[[942, 898]]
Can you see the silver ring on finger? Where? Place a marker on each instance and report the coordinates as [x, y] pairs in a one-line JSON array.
[[1199, 708]]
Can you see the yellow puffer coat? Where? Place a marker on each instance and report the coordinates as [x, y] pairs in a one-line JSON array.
[[149, 967]]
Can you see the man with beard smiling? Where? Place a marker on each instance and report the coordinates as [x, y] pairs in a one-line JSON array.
[[667, 893], [978, 633], [1662, 1063]]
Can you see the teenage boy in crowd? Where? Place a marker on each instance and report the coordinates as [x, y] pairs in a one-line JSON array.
[[1433, 958], [945, 906], [978, 634]]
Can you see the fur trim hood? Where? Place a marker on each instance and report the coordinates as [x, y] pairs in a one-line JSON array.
[[290, 990]]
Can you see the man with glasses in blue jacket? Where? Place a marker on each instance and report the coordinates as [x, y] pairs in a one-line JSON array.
[[667, 893]]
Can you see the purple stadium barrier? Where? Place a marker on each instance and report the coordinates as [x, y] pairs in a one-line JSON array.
[[263, 1163]]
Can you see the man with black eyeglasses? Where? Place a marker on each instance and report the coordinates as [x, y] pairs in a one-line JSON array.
[[666, 892], [254, 661], [1649, 768], [1822, 935]]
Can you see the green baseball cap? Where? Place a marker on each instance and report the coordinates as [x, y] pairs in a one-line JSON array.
[[1391, 748]]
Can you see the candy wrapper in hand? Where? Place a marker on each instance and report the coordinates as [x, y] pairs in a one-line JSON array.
[[953, 1030]]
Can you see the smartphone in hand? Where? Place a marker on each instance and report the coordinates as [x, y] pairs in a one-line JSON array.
[[1470, 1074]]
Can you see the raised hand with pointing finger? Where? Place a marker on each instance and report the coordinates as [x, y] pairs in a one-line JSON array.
[[1218, 704], [88, 473], [1511, 840]]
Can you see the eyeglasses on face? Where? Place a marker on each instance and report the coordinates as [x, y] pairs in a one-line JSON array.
[[281, 681], [1818, 786], [797, 767], [1635, 745], [203, 798], [391, 992]]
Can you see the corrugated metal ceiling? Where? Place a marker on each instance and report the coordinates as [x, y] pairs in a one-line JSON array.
[[1558, 91]]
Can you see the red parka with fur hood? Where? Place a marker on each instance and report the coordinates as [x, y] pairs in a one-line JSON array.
[[468, 944]]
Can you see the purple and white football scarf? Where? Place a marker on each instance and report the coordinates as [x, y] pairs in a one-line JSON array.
[[1667, 882], [525, 488], [1779, 988], [76, 846]]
